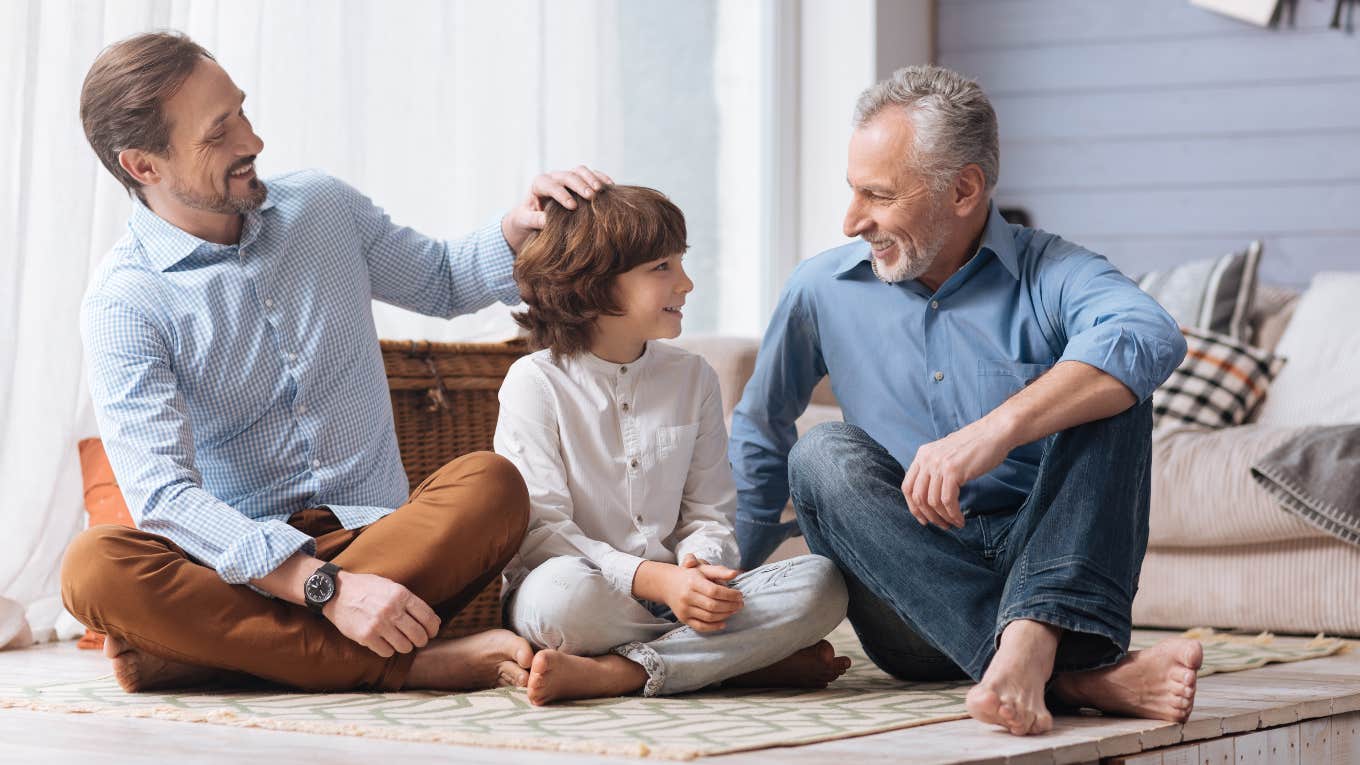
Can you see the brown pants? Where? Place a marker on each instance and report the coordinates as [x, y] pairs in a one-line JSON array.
[[455, 533]]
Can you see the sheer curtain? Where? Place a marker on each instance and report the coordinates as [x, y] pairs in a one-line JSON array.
[[440, 111]]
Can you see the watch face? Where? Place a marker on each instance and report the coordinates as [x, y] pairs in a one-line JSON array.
[[320, 588]]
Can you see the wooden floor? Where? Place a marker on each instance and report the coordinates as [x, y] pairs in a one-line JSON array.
[[1276, 697]]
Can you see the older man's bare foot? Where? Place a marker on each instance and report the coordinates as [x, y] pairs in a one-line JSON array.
[[1011, 693], [137, 671], [1157, 683], [816, 666], [557, 676], [484, 660]]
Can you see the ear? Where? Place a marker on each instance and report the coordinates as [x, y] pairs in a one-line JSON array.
[[141, 165], [970, 191]]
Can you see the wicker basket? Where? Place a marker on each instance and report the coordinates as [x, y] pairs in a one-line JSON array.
[[444, 404]]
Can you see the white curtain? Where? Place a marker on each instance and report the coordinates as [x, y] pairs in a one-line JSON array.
[[440, 111]]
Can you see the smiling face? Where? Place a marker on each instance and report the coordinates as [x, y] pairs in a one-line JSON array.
[[210, 165], [905, 222], [650, 297]]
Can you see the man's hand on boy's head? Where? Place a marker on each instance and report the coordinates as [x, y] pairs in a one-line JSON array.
[[529, 217]]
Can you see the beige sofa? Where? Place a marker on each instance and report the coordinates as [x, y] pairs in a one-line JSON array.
[[1221, 552]]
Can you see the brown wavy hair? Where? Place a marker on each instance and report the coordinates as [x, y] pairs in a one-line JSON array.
[[123, 98], [566, 272]]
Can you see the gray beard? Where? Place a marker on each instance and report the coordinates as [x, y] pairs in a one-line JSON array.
[[905, 270]]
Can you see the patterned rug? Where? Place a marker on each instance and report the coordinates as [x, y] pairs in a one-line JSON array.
[[864, 701]]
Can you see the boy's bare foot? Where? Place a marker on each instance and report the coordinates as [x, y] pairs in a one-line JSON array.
[[138, 672], [813, 667], [1157, 683], [558, 676], [484, 660], [1011, 693]]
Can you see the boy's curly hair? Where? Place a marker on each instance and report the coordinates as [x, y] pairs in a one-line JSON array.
[[566, 272]]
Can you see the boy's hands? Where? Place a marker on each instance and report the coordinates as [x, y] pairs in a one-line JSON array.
[[697, 595]]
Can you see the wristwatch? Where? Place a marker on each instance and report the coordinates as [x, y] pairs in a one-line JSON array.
[[320, 587]]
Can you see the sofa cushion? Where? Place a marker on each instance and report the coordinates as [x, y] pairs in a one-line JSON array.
[[1218, 384], [1213, 294], [1203, 494], [1321, 383]]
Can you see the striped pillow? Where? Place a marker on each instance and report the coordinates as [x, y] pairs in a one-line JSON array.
[[1214, 294], [1218, 385]]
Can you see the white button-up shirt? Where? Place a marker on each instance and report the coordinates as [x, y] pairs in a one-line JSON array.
[[624, 462]]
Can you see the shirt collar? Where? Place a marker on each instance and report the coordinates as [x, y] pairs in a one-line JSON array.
[[166, 244], [997, 237], [595, 363]]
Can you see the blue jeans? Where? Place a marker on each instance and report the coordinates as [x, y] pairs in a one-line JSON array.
[[930, 604]]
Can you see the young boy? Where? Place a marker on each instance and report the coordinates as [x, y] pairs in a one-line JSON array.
[[624, 580]]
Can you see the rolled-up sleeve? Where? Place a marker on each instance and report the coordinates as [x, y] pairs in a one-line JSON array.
[[1112, 325], [143, 421], [788, 367]]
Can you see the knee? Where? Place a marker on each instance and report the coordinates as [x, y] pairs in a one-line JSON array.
[[560, 600], [502, 499], [827, 598], [821, 450], [88, 575]]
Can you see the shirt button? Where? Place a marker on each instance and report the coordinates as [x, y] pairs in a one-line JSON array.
[[935, 304], [292, 357], [623, 370], [939, 376], [633, 463], [625, 406], [638, 518], [302, 409], [316, 463], [268, 303]]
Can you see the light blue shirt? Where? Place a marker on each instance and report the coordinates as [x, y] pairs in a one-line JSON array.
[[910, 366], [237, 384]]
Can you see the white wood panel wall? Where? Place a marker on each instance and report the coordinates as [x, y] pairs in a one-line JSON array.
[[1156, 132]]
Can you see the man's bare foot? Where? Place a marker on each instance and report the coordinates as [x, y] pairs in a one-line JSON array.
[[138, 672], [1011, 693], [484, 660], [813, 667], [1157, 683], [558, 676]]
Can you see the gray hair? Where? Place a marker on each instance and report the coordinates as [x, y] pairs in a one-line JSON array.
[[954, 121]]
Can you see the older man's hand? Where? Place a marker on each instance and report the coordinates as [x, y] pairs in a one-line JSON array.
[[941, 468], [529, 217]]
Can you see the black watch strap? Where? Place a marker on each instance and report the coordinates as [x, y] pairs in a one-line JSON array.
[[321, 587]]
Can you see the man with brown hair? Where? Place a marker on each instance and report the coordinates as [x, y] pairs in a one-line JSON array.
[[237, 380]]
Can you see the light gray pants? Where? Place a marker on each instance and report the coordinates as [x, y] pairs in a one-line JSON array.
[[567, 604]]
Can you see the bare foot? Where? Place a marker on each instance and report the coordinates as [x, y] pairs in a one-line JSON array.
[[137, 671], [813, 667], [1011, 693], [484, 660], [1157, 683], [558, 676]]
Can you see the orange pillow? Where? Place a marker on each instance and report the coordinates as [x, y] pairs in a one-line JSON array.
[[103, 504]]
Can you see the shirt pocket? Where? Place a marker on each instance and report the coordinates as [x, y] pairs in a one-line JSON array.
[[998, 380], [674, 450]]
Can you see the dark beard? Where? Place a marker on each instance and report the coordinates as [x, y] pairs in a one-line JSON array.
[[220, 203]]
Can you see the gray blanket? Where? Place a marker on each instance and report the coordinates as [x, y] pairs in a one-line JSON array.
[[1316, 476]]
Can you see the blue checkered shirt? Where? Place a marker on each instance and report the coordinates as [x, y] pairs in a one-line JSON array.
[[237, 384]]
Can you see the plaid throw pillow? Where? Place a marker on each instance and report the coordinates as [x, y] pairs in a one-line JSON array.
[[1218, 385]]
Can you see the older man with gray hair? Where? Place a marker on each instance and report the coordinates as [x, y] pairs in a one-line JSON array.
[[987, 494]]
